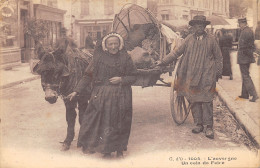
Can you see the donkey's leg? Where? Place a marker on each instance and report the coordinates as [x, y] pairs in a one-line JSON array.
[[82, 106], [70, 118]]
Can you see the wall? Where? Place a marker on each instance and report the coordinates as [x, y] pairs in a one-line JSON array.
[[96, 16], [178, 8], [10, 51]]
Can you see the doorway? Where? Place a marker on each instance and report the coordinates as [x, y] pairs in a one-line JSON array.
[[24, 38]]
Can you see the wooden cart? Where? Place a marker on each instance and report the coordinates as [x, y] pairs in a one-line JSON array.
[[125, 23]]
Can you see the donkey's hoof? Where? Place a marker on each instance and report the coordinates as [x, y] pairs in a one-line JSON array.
[[65, 147]]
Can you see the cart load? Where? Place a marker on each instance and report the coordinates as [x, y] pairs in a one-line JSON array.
[[146, 40]]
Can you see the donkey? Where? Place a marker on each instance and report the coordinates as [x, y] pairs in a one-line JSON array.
[[60, 71]]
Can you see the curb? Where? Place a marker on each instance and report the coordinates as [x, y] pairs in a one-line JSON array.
[[19, 82], [10, 65], [245, 121]]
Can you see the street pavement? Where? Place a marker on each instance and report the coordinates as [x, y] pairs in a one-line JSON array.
[[31, 130], [30, 126]]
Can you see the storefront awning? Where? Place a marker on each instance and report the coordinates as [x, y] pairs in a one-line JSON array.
[[217, 20], [106, 21]]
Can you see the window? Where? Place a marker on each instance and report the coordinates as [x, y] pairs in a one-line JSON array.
[[217, 5], [84, 7], [185, 2], [52, 3], [206, 3], [192, 2], [185, 17], [53, 33], [165, 16], [199, 5], [166, 1], [109, 7], [44, 2], [8, 24]]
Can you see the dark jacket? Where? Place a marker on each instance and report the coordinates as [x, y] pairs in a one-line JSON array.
[[199, 67], [257, 32], [89, 43], [246, 46]]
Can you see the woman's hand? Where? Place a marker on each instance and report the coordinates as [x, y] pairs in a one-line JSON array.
[[158, 63], [255, 55], [72, 96], [115, 80]]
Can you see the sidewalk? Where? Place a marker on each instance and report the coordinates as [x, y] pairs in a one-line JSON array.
[[16, 75], [246, 113]]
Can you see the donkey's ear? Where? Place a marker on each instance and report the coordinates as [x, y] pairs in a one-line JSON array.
[[39, 49], [35, 68], [65, 71]]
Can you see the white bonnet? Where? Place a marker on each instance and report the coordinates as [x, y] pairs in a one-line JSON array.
[[121, 41]]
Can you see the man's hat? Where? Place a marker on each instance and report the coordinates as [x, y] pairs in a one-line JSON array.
[[199, 19], [242, 20]]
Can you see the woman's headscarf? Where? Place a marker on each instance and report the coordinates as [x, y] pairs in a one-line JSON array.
[[112, 34]]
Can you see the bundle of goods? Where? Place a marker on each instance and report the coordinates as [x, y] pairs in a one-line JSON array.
[[143, 44]]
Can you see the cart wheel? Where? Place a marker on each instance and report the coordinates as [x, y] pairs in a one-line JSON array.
[[180, 107]]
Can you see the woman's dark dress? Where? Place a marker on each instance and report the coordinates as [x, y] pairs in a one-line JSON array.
[[225, 43], [107, 121]]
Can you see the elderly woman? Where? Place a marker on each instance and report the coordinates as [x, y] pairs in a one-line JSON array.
[[107, 122]]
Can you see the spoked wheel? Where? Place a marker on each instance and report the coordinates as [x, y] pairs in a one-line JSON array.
[[180, 107]]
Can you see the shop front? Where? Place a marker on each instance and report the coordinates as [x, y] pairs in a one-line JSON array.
[[53, 17], [10, 51], [95, 28]]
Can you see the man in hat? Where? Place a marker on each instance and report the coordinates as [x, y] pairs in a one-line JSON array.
[[65, 41], [197, 73], [245, 57]]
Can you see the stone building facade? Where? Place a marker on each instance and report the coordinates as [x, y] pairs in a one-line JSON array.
[[186, 9], [15, 45], [95, 17]]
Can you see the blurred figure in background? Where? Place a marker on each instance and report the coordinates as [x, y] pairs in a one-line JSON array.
[[245, 57], [225, 44], [257, 31], [89, 44], [218, 34], [257, 42]]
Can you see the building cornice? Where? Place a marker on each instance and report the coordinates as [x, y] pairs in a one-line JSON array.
[[93, 21], [48, 8]]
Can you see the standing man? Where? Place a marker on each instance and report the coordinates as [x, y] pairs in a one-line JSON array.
[[65, 41], [197, 73], [89, 44], [257, 31], [245, 57], [225, 44]]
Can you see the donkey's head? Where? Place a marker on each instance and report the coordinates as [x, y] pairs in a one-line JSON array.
[[52, 68]]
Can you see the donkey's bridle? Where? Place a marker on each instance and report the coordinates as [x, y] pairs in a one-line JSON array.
[[54, 87]]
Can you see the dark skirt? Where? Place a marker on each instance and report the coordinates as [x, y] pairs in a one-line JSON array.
[[226, 62], [107, 121]]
